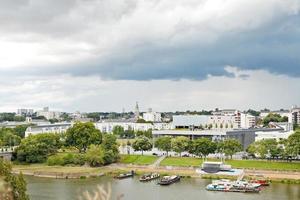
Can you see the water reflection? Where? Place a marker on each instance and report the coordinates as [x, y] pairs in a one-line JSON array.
[[186, 189]]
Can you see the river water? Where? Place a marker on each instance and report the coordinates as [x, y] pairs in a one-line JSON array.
[[132, 189]]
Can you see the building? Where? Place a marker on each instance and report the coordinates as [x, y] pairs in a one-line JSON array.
[[48, 114], [282, 113], [25, 112], [136, 111], [194, 122], [247, 120], [49, 128], [108, 125], [151, 116], [294, 116], [244, 136]]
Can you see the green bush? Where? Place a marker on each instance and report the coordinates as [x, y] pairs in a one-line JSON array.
[[66, 159], [55, 160]]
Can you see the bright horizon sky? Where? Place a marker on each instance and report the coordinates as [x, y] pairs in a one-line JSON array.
[[104, 55]]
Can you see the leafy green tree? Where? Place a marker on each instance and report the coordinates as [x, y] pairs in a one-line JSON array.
[[147, 133], [16, 182], [293, 144], [81, 135], [231, 146], [9, 137], [259, 148], [202, 147], [20, 130], [253, 112], [142, 143], [180, 144], [36, 148], [110, 146], [273, 117], [95, 155], [164, 144], [118, 130], [52, 121]]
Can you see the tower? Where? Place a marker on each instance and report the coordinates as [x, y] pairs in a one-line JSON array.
[[136, 111]]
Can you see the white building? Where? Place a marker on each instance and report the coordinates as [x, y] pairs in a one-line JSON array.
[[206, 121], [50, 128], [151, 116], [294, 116], [24, 112], [48, 114], [247, 120], [282, 113], [108, 125]]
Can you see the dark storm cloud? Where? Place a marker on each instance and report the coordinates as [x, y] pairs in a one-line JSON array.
[[124, 52]]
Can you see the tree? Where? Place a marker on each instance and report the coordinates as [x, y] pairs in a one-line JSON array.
[[118, 130], [110, 146], [147, 133], [9, 137], [231, 146], [273, 117], [81, 135], [259, 148], [202, 147], [142, 143], [253, 112], [20, 130], [180, 144], [36, 148], [164, 144], [95, 155], [17, 183], [293, 144]]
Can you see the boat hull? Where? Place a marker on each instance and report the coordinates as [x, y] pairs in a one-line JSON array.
[[169, 182]]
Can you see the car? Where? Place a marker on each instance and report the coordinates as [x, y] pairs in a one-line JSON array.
[[154, 154], [185, 155]]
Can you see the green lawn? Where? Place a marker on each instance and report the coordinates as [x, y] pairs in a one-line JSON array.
[[249, 164], [181, 162], [138, 159], [259, 164]]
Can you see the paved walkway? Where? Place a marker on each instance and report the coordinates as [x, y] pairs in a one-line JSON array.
[[157, 162]]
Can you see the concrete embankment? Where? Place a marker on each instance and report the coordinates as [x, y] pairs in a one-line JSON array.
[[79, 172]]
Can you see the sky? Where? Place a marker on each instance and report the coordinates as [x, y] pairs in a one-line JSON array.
[[104, 55]]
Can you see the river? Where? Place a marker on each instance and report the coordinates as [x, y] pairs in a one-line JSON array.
[[186, 189]]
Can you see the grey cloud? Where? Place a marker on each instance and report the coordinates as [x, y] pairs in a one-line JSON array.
[[126, 41]]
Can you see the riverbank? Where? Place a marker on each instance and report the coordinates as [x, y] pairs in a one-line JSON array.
[[68, 172]]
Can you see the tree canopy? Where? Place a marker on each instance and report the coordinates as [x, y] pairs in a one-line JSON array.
[[273, 117], [231, 146], [17, 183], [81, 135], [202, 147], [180, 144], [164, 143], [36, 148], [142, 143]]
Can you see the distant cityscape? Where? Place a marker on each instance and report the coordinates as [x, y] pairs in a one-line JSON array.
[[245, 126]]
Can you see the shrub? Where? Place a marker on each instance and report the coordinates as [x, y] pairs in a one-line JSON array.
[[66, 159], [55, 160], [95, 156]]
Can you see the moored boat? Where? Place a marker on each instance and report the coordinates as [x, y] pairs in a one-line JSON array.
[[167, 180], [127, 175], [149, 177], [233, 186], [262, 182]]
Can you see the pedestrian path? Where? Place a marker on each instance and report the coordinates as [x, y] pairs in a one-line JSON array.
[[157, 162]]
